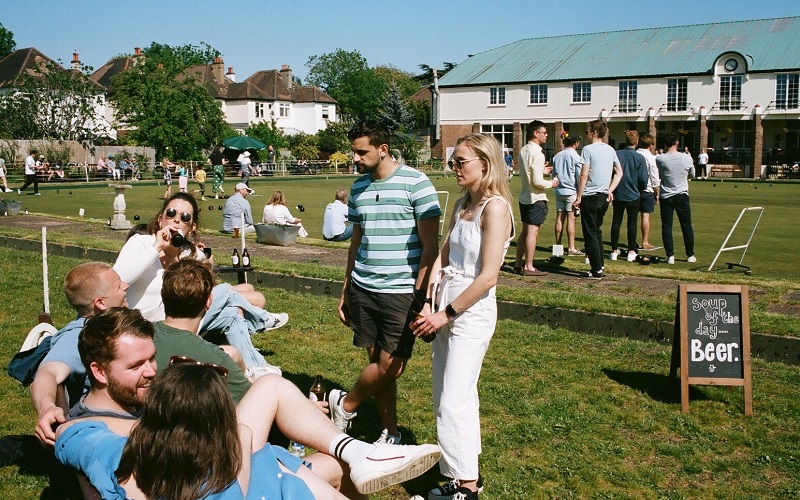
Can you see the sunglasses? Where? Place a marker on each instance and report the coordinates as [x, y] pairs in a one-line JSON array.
[[456, 164], [185, 216], [183, 360]]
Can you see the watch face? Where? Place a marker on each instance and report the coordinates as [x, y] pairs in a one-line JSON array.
[[731, 65]]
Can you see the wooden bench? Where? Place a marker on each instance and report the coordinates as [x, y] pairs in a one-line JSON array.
[[725, 170]]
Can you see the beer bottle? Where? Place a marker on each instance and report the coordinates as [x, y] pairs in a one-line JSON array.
[[245, 258], [317, 391], [235, 258]]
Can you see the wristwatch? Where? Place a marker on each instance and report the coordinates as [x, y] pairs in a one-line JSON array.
[[449, 311]]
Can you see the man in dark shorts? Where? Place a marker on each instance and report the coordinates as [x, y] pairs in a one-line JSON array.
[[532, 199], [395, 214]]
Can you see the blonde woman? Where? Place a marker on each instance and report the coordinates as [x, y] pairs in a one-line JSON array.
[[462, 322], [276, 212]]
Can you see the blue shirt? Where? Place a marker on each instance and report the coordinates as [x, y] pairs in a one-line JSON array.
[[64, 349], [567, 167], [634, 175], [601, 159]]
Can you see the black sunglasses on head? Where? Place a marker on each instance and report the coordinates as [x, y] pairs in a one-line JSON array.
[[184, 360]]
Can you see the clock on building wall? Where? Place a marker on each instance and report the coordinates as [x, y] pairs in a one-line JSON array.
[[731, 64]]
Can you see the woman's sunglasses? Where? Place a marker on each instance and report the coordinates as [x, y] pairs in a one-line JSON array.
[[185, 216], [183, 360]]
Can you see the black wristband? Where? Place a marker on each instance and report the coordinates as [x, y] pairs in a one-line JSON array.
[[449, 311], [428, 301]]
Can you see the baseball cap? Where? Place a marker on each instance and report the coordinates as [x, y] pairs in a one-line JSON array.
[[242, 185]]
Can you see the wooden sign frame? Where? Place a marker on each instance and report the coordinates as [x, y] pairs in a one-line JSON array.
[[681, 348]]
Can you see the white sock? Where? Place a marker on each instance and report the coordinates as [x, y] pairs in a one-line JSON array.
[[349, 449]]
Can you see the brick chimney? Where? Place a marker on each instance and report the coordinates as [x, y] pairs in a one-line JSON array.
[[230, 74], [218, 69], [286, 75], [137, 52], [76, 62]]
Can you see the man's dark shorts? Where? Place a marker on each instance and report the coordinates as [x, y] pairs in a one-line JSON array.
[[382, 320], [647, 203], [533, 214]]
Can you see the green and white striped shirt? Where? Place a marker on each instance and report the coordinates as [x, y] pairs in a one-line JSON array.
[[387, 211]]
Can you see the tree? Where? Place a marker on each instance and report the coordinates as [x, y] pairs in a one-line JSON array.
[[7, 43], [420, 112], [426, 78], [347, 77], [333, 138], [165, 106], [269, 133], [54, 103], [405, 82], [328, 71], [394, 111]]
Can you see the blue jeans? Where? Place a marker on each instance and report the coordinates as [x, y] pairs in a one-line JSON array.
[[678, 204], [346, 234], [593, 209]]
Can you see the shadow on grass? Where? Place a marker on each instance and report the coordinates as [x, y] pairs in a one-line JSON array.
[[658, 387], [34, 460]]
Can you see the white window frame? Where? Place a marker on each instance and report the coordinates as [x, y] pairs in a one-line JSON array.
[[497, 96], [677, 94], [283, 110], [538, 94], [583, 92], [259, 108], [628, 96], [787, 91], [730, 92]]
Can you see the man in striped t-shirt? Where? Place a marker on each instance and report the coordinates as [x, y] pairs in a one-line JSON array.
[[395, 214]]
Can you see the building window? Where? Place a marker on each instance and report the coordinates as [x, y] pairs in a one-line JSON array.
[[786, 91], [325, 113], [730, 92], [582, 92], [676, 94], [628, 96], [503, 133], [259, 110], [497, 96], [283, 110], [538, 94]]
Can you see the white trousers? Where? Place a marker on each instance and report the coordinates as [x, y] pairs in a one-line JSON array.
[[458, 353]]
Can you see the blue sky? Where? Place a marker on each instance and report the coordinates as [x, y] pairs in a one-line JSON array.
[[254, 35]]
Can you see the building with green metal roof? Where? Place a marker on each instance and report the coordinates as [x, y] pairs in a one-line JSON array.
[[731, 88]]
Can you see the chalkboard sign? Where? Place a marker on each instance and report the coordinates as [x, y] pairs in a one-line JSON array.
[[712, 339]]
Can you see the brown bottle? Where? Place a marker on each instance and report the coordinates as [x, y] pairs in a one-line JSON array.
[[245, 258], [317, 391], [235, 258]]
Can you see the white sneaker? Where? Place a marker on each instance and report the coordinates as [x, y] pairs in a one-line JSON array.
[[392, 464], [691, 259], [671, 259], [586, 261], [19, 191], [257, 372], [448, 491], [386, 438], [631, 256], [614, 254], [275, 321], [341, 418]]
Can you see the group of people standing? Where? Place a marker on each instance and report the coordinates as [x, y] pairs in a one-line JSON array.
[[631, 180]]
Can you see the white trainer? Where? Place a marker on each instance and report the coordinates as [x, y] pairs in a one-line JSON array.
[[275, 321], [386, 438], [691, 259], [631, 256], [392, 464], [671, 259], [614, 254], [257, 372], [341, 419]]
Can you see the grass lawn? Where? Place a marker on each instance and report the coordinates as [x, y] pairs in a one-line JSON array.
[[715, 207], [564, 415]]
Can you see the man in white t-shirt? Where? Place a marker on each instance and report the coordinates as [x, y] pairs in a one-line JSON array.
[[702, 163], [600, 175], [31, 167], [334, 221]]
